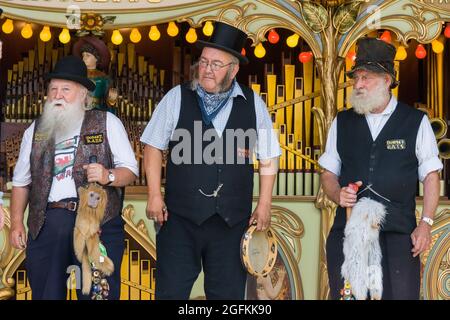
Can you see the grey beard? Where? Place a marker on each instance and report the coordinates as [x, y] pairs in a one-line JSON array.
[[60, 123], [367, 103]]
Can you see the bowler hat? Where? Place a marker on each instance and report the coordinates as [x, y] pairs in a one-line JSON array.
[[71, 68], [226, 38], [375, 55]]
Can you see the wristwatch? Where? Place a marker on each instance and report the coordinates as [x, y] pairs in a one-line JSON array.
[[111, 177], [428, 221]]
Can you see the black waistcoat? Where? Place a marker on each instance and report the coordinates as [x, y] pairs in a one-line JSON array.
[[389, 163], [185, 180]]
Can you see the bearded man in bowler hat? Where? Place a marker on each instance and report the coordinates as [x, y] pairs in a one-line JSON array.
[[54, 161], [208, 200], [385, 147]]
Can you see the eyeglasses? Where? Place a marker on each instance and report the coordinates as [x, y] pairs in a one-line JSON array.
[[215, 65]]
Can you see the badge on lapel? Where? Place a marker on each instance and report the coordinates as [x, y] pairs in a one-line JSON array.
[[396, 144]]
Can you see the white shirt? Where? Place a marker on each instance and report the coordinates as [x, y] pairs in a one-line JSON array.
[[427, 152], [165, 119], [63, 185]]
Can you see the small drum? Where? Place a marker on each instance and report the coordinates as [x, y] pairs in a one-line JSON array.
[[258, 251]]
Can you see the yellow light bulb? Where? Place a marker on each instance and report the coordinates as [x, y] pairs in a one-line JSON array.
[[437, 46], [45, 34], [172, 29], [64, 36], [135, 35], [27, 31], [116, 37], [8, 26], [292, 41], [401, 53], [208, 28], [191, 35], [260, 51], [154, 33]]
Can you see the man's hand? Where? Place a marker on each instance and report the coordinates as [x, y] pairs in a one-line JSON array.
[[421, 238], [96, 173], [261, 216], [347, 195], [156, 209], [17, 236]]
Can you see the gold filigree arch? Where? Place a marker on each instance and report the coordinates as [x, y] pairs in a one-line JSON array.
[[256, 18], [289, 229], [436, 261], [407, 19]]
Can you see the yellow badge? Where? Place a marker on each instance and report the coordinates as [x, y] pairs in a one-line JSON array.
[[40, 136], [398, 144], [93, 138]]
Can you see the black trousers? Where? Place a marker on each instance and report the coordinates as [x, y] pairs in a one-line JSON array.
[[183, 248], [51, 254], [401, 272]]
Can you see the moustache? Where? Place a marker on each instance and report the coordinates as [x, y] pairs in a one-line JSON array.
[[58, 103]]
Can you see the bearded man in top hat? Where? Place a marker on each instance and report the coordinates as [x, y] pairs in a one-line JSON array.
[[96, 56], [385, 147], [208, 193], [55, 160]]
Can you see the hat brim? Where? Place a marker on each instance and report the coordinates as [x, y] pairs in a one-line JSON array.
[[86, 82], [99, 45], [242, 59], [373, 68]]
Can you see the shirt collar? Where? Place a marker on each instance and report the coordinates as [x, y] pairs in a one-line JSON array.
[[390, 107], [237, 91]]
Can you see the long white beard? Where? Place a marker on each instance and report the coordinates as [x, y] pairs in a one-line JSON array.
[[60, 121], [365, 102]]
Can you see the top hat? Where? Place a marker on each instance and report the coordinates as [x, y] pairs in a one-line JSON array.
[[375, 55], [226, 38], [71, 68], [103, 55]]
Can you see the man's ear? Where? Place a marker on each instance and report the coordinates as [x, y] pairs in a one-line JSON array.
[[235, 71]]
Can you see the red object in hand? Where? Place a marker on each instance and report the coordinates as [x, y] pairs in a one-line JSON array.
[[354, 186]]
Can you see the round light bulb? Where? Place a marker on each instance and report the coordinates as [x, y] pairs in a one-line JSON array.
[[273, 36], [401, 53], [172, 29], [8, 26], [27, 31], [116, 37], [386, 36], [292, 41], [305, 57], [260, 51], [437, 46], [191, 35], [421, 53], [208, 28], [447, 31], [45, 34], [64, 36], [154, 33], [135, 35]]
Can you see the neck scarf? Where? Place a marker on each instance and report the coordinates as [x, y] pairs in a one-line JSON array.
[[211, 103]]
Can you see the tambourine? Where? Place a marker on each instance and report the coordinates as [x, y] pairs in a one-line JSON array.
[[258, 251]]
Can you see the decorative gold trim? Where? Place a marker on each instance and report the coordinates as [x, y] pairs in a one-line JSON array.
[[436, 260], [288, 229]]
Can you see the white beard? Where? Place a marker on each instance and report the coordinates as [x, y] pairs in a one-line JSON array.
[[365, 102], [60, 121]]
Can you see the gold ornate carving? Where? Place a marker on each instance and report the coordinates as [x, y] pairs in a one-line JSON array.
[[288, 229], [436, 260], [315, 15]]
